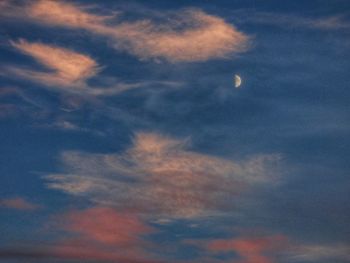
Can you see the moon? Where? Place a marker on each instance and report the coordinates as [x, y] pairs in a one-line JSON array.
[[238, 81]]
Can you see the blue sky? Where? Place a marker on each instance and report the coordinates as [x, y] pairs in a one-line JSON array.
[[124, 139]]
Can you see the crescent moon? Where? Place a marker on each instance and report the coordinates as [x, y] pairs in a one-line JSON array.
[[238, 81]]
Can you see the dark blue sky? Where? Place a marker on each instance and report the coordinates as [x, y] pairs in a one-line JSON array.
[[124, 139]]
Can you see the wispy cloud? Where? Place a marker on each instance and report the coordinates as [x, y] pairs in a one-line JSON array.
[[160, 176], [63, 13], [69, 68], [315, 252], [201, 36], [17, 203], [204, 37]]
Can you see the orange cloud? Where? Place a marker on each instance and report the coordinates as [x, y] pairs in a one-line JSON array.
[[202, 36], [68, 67], [63, 14], [17, 203], [159, 176]]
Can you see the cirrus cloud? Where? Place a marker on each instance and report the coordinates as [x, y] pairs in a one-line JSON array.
[[202, 36], [69, 68], [159, 176]]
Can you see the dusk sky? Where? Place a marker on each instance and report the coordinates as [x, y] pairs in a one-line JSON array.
[[126, 137]]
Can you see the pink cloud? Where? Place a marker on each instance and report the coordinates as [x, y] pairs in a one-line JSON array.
[[98, 234], [161, 177], [203, 36], [106, 225], [68, 67], [250, 250], [102, 233], [18, 203], [63, 13]]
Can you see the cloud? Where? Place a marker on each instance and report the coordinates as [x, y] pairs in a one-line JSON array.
[[62, 13], [262, 249], [98, 234], [106, 225], [159, 176], [17, 203], [250, 250], [102, 233], [68, 67], [204, 37], [185, 36], [69, 71], [315, 253]]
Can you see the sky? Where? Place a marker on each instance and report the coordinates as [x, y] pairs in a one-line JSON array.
[[123, 138]]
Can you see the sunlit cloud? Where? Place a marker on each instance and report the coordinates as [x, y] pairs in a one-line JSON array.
[[159, 176], [64, 14], [201, 37], [17, 203], [250, 250], [69, 68], [106, 225], [261, 249], [204, 37], [68, 71], [96, 234]]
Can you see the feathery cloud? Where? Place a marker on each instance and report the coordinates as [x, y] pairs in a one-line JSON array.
[[159, 176], [204, 37], [317, 252], [63, 14], [201, 37], [68, 67]]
